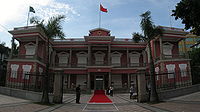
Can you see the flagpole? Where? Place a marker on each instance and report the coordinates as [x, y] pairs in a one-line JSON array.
[[100, 17], [28, 16]]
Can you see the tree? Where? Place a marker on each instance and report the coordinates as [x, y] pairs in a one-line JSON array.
[[53, 29], [150, 31], [195, 65], [188, 11], [4, 53], [15, 48], [137, 37]]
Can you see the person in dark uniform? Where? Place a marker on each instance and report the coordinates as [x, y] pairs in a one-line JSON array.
[[131, 91], [78, 94]]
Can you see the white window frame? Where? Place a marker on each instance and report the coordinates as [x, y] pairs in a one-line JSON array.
[[134, 58], [116, 58], [14, 70], [30, 47], [167, 49], [183, 69], [40, 70], [82, 58], [63, 58], [99, 58], [157, 72], [170, 69], [26, 70]]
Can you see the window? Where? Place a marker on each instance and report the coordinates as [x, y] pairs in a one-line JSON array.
[[26, 71], [14, 70], [170, 70], [99, 58], [40, 70], [157, 72], [30, 49], [116, 58], [63, 58], [183, 70], [134, 58], [82, 58], [167, 49]]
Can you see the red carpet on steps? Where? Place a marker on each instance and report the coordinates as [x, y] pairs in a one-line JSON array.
[[99, 97]]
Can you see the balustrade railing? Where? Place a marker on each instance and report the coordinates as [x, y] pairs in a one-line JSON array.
[[32, 57], [115, 65], [173, 56]]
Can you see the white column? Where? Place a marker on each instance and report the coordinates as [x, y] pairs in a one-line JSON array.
[[142, 94], [57, 92], [109, 79], [88, 82], [128, 80], [68, 80], [36, 48]]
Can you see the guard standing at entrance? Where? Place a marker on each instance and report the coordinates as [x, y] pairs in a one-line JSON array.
[[111, 90], [78, 94], [131, 91]]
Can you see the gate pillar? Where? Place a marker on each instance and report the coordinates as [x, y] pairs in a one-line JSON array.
[[58, 88], [142, 94]]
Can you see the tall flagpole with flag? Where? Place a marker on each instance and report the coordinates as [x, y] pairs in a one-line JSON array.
[[31, 9], [102, 9]]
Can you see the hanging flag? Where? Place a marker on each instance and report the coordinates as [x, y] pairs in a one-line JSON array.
[[31, 9], [103, 9]]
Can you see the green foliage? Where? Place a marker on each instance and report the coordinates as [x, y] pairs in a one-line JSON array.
[[15, 48], [137, 37], [53, 28], [188, 11], [195, 65], [195, 56], [149, 29], [3, 49]]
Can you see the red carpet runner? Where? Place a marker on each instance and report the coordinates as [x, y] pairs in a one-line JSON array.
[[99, 97]]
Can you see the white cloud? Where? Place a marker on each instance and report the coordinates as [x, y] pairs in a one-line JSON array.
[[16, 10], [14, 13]]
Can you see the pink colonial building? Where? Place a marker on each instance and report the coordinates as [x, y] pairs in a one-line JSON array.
[[98, 60]]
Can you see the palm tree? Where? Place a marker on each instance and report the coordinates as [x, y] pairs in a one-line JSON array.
[[150, 31], [137, 37], [53, 29]]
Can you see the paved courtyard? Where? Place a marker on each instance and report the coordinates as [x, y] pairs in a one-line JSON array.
[[121, 103]]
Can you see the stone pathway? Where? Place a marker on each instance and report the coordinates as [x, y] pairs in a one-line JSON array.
[[187, 103], [121, 103]]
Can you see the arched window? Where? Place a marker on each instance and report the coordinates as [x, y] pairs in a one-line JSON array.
[[30, 50], [116, 58], [63, 58], [134, 58], [99, 58], [167, 49], [82, 58]]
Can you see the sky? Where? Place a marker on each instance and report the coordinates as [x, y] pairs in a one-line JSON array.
[[122, 19]]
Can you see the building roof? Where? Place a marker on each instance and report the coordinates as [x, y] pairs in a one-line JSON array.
[[99, 29]]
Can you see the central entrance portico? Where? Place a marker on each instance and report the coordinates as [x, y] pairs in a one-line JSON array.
[[99, 82]]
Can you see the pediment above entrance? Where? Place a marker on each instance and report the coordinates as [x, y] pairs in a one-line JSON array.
[[99, 32], [100, 36]]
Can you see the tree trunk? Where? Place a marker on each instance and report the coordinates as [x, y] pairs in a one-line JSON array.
[[153, 95], [45, 94]]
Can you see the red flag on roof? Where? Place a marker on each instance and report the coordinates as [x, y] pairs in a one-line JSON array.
[[103, 9]]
